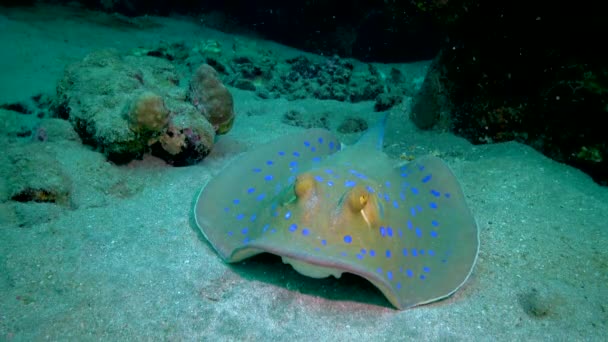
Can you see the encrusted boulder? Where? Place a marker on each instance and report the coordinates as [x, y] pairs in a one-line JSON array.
[[127, 106], [209, 95]]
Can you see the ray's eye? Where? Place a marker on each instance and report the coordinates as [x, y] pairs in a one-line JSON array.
[[358, 198], [304, 186], [361, 202]]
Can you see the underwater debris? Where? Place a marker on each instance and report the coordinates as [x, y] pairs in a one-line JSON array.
[[296, 118], [37, 177], [352, 125], [536, 304]]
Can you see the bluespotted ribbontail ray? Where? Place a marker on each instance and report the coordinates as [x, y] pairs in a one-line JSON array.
[[327, 210]]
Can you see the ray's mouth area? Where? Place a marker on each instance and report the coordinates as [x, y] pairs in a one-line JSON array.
[[270, 269]]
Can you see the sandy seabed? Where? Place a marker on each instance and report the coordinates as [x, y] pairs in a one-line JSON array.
[[124, 260]]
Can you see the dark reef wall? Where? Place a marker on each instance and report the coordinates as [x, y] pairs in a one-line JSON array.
[[534, 72], [369, 30]]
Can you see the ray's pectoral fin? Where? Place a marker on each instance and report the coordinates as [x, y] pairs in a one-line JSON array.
[[407, 230]]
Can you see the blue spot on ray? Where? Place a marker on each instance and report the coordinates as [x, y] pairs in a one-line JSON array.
[[350, 183]]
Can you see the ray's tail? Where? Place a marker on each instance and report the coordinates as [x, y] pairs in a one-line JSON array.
[[374, 137]]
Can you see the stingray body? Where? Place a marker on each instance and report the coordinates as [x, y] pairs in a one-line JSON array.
[[327, 210]]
